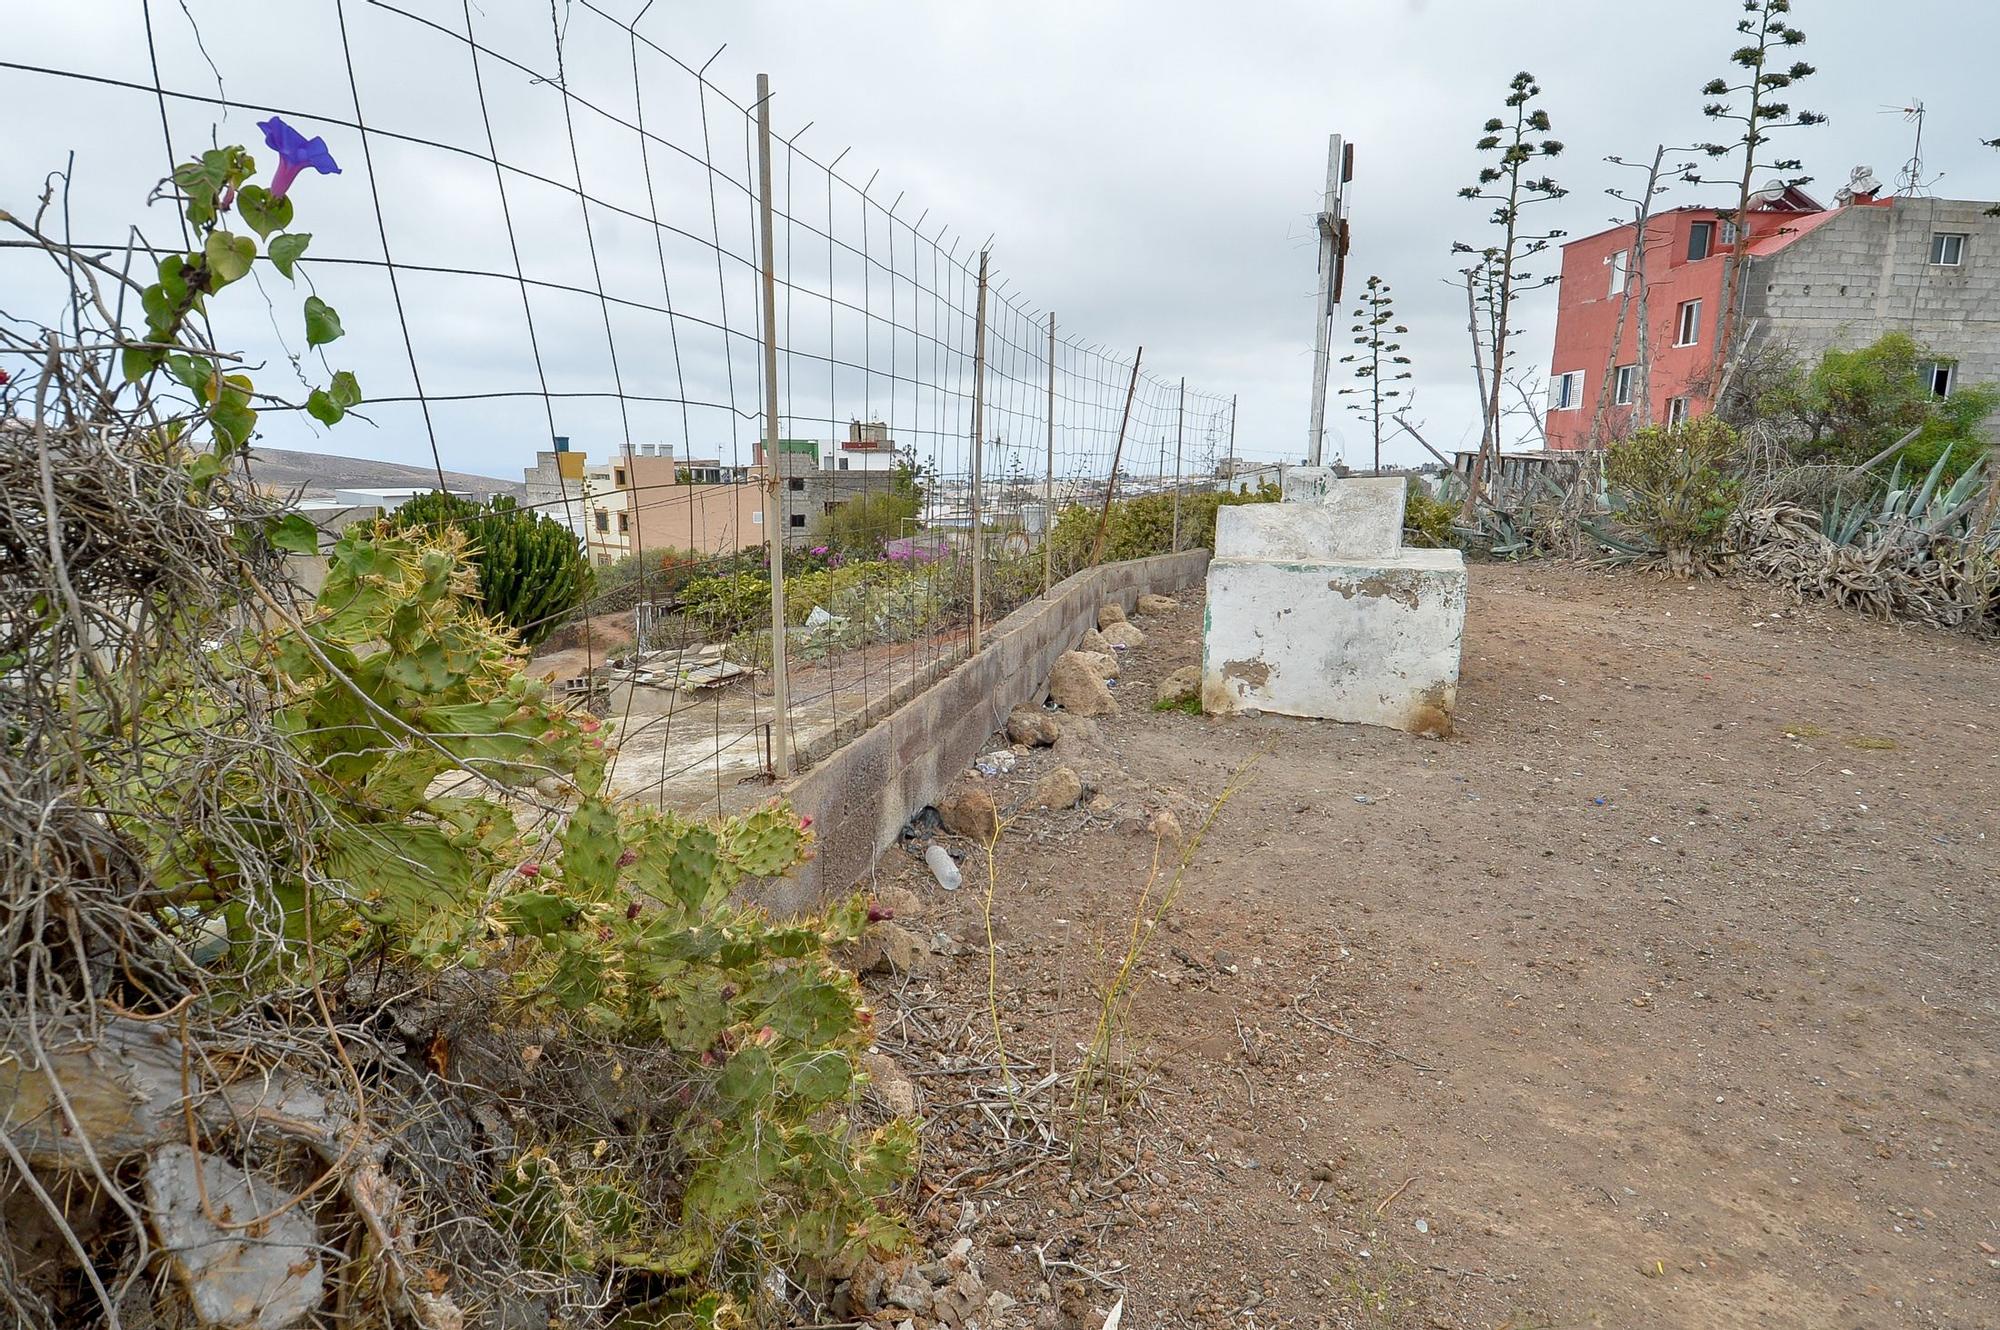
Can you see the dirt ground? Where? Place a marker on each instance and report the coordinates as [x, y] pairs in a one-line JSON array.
[[1665, 989]]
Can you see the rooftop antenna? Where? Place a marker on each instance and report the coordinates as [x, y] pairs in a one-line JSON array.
[[1910, 180]]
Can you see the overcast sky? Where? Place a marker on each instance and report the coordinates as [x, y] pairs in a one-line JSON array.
[[1147, 170]]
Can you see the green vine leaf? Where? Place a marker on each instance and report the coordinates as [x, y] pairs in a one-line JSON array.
[[294, 534], [262, 213], [322, 322], [285, 250], [229, 256]]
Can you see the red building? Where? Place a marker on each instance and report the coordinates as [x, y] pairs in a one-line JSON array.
[[1684, 272]]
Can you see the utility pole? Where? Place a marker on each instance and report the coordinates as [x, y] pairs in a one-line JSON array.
[[978, 424], [1332, 268], [774, 536], [1049, 474]]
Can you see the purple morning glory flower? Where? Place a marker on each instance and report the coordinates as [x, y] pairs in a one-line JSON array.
[[295, 153]]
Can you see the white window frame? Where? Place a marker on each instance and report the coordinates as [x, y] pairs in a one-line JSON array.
[[1950, 243], [1725, 236], [1624, 380], [1619, 262], [1566, 391], [1687, 323], [1677, 412], [1931, 369]]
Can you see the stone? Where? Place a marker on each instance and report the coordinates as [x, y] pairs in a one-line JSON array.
[[889, 948], [1103, 663], [898, 1092], [900, 902], [1152, 604], [1108, 614], [264, 1280], [1178, 687], [1165, 826], [911, 1293], [1124, 635], [1094, 641], [1030, 725], [1059, 788], [1077, 687], [967, 808]]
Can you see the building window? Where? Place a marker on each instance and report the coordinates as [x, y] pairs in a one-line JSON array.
[[604, 561], [1729, 235], [1566, 391], [829, 506], [796, 485], [798, 519], [1701, 240], [1937, 375], [1677, 412], [618, 477], [757, 517], [623, 523], [843, 464], [1621, 385], [1947, 249], [1618, 261], [603, 521], [1687, 323]]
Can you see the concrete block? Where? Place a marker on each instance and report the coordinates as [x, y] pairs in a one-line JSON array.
[[1360, 517], [1373, 641], [1371, 503]]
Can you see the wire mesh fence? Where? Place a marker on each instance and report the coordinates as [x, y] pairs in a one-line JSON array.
[[548, 233]]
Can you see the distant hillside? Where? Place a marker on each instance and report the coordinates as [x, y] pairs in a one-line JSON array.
[[319, 474]]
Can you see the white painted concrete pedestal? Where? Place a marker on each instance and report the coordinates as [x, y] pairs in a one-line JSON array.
[[1316, 609]]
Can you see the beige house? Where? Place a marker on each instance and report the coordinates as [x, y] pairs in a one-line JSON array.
[[649, 500]]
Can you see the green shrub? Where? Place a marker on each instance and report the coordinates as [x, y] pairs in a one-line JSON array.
[[1677, 489], [1427, 522], [729, 604], [530, 568], [1144, 526]]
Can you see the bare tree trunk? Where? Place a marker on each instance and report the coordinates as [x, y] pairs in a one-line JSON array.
[[1635, 274], [1478, 364]]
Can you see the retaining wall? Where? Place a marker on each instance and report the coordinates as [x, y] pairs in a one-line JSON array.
[[860, 797]]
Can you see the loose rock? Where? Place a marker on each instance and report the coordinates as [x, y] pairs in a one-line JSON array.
[[890, 948], [1180, 686], [1032, 726], [898, 1091], [1058, 789], [1108, 614], [1077, 688], [1103, 662], [967, 809], [1094, 641], [1151, 604], [1124, 635], [900, 902]]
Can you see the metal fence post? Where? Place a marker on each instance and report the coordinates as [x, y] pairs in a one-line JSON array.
[[978, 448], [1117, 457], [1049, 474], [1180, 426], [774, 535], [1232, 443]]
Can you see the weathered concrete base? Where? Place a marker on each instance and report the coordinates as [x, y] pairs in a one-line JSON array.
[[1372, 640], [860, 796]]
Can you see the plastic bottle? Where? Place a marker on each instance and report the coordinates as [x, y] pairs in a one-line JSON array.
[[942, 868]]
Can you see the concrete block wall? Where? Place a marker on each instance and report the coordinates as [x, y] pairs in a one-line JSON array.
[[1867, 272], [861, 796]]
